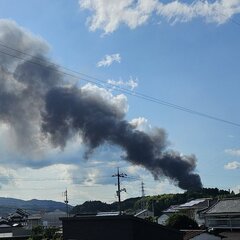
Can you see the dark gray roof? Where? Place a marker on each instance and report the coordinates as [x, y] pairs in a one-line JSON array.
[[225, 206]]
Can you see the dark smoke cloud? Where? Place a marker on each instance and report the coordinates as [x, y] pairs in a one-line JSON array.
[[38, 106], [23, 86], [70, 110]]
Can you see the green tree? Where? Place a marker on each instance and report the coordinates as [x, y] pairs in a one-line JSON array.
[[37, 233], [179, 221], [50, 233]]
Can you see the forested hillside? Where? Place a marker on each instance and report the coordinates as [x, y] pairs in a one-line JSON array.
[[158, 202]]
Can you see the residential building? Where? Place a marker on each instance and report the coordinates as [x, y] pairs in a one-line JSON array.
[[33, 221], [192, 209], [225, 214], [143, 214], [115, 227], [51, 219], [9, 232], [166, 214]]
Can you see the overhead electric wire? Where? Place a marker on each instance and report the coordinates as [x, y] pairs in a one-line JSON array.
[[51, 179], [55, 67], [231, 19], [63, 179]]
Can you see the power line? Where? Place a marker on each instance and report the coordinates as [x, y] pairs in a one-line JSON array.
[[231, 19], [101, 83], [50, 179], [62, 179]]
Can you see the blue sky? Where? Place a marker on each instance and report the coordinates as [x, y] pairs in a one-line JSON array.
[[186, 54]]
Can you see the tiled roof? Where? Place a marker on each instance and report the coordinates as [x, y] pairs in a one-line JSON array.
[[225, 206]]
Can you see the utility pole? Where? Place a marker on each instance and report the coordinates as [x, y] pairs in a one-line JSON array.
[[142, 188], [119, 190], [66, 201]]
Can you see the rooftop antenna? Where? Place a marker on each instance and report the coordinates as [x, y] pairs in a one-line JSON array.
[[119, 190]]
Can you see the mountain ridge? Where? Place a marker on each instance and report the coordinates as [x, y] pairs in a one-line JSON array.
[[9, 205]]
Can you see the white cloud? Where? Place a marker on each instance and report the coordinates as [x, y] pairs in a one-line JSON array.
[[232, 165], [131, 83], [108, 15], [236, 189], [233, 152], [141, 124], [118, 102], [109, 60]]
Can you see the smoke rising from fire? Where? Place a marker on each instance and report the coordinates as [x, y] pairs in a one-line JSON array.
[[39, 105]]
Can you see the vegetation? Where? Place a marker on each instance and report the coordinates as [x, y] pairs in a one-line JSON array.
[[179, 221], [158, 203], [98, 206], [41, 233]]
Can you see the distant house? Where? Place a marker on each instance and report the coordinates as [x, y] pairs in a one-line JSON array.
[[166, 214], [9, 232], [51, 219], [34, 221], [18, 218], [193, 209], [120, 227], [225, 214], [143, 214], [3, 221]]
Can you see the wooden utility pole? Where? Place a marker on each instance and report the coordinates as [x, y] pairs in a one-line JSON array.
[[119, 190]]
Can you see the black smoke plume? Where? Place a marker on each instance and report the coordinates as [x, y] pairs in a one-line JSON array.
[[38, 105], [70, 110]]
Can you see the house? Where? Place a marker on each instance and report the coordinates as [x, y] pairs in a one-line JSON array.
[[33, 221], [194, 208], [9, 232], [143, 214], [18, 218], [225, 214], [51, 219], [115, 227], [166, 214]]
